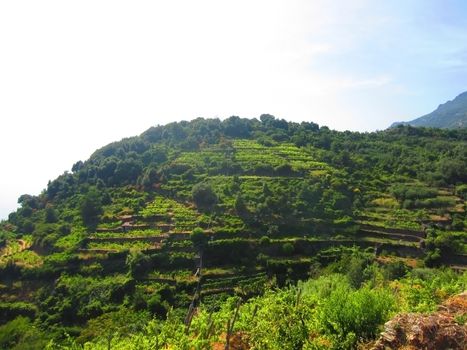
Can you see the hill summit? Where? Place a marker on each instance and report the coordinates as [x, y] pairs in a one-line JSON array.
[[449, 115]]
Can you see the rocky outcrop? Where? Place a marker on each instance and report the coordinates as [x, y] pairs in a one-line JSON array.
[[443, 329]]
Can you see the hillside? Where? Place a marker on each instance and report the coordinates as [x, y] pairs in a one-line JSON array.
[[176, 222], [449, 115]]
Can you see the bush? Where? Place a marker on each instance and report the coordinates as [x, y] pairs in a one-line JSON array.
[[288, 248], [403, 192], [461, 191], [395, 270], [199, 238], [265, 240], [21, 334], [204, 196], [138, 264], [157, 306], [350, 315]]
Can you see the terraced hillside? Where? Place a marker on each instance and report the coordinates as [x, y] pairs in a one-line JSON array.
[[189, 214]]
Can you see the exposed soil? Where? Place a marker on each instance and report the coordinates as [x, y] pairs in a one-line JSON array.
[[440, 330]]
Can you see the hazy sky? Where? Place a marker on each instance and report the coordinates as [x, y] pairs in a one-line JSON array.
[[76, 75]]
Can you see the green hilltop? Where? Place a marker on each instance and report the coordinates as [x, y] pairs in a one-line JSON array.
[[195, 233]]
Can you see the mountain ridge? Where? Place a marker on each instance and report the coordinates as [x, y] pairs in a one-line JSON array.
[[448, 115]]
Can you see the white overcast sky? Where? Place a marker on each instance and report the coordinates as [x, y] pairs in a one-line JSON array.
[[76, 75]]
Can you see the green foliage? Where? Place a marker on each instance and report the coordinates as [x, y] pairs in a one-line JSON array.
[[288, 248], [71, 240], [442, 245], [321, 313], [461, 191], [424, 289], [71, 302], [138, 263], [353, 264], [115, 242], [120, 246], [350, 316], [9, 311], [403, 192], [265, 240], [199, 238], [91, 208], [241, 207], [204, 196], [114, 324], [50, 215], [21, 334], [395, 270]]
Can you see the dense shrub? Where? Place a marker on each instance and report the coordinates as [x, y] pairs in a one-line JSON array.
[[204, 196], [20, 333], [354, 315], [288, 248]]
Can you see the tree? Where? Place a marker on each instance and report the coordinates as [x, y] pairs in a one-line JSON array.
[[150, 178], [267, 119], [50, 215], [77, 166], [27, 200], [137, 263], [199, 238], [453, 171], [240, 206], [356, 265], [236, 127], [91, 208], [127, 171], [204, 196], [27, 226]]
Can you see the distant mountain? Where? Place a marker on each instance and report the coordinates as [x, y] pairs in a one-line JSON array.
[[450, 115]]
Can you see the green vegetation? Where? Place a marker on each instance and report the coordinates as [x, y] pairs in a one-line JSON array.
[[322, 313], [165, 239]]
